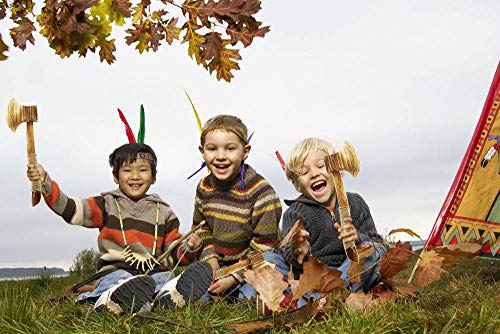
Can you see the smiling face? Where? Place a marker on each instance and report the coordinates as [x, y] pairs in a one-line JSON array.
[[135, 178], [223, 153], [314, 181]]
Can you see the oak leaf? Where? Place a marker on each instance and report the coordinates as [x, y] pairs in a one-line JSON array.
[[171, 30], [313, 271], [226, 63], [269, 285], [395, 260], [405, 230], [429, 268], [122, 7], [3, 8], [3, 48], [210, 48], [106, 50], [194, 40], [23, 33]]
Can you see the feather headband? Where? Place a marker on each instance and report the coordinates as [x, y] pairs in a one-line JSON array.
[[204, 164], [140, 135]]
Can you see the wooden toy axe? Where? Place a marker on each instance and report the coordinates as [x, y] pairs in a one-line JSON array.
[[344, 160], [17, 114]]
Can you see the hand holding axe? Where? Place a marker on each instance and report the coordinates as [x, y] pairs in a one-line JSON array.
[[17, 114], [346, 160]]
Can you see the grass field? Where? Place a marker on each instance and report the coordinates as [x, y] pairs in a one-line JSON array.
[[465, 300]]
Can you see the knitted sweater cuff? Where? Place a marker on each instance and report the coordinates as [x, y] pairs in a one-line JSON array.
[[47, 185], [208, 253]]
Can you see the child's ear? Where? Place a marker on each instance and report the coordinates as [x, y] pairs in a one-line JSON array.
[[200, 148], [246, 151], [115, 179]]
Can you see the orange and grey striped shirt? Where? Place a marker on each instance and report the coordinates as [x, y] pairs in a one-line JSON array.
[[139, 220]]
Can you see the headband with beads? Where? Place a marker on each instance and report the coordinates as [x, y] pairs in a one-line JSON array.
[[140, 135]]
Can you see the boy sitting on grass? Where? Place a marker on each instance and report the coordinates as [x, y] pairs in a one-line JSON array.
[[134, 229], [241, 209], [317, 209]]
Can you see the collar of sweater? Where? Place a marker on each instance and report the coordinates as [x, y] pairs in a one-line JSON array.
[[154, 198], [234, 184]]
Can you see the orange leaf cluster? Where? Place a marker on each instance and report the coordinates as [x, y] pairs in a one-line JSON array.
[[211, 29]]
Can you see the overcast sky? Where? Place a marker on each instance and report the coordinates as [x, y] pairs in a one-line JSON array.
[[403, 81]]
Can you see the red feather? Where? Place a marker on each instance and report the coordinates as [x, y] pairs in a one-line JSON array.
[[128, 130], [280, 159]]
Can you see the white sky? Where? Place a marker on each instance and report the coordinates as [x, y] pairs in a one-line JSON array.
[[403, 81]]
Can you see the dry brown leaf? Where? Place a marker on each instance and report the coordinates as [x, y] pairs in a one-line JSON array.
[[330, 281], [355, 270], [454, 253], [405, 230], [249, 327], [402, 287], [358, 301], [395, 260], [429, 268], [311, 277], [269, 285], [296, 227]]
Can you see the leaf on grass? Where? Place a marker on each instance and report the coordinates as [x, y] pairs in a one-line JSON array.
[[454, 253], [405, 230], [3, 48], [429, 268], [306, 313], [403, 288], [395, 260], [358, 301], [249, 327], [269, 284], [311, 277]]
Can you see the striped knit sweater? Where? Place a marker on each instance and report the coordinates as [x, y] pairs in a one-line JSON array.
[[237, 220], [139, 219]]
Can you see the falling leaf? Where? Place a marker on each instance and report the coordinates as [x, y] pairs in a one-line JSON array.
[[249, 327], [405, 230], [429, 268], [3, 48], [395, 260], [313, 271], [269, 284]]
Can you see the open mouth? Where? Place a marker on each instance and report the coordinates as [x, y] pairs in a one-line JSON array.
[[318, 186], [222, 167], [135, 186]]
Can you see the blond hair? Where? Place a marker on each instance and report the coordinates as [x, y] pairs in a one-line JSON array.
[[299, 154], [227, 123]]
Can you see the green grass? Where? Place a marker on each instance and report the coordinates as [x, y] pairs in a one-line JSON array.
[[465, 300]]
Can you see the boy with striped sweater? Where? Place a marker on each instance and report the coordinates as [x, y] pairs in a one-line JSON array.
[[241, 209], [135, 228]]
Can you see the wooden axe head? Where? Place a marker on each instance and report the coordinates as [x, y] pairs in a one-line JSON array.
[[17, 114], [346, 159]]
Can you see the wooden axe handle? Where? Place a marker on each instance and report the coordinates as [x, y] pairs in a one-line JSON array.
[[345, 212], [36, 186]]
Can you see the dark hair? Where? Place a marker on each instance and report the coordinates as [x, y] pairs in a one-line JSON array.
[[128, 153]]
